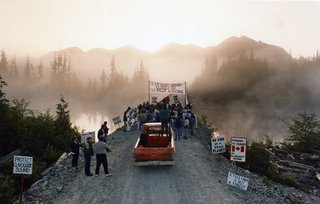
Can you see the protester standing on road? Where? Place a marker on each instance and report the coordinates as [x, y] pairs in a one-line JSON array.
[[186, 127], [193, 125], [106, 131], [101, 132], [101, 156], [125, 119], [177, 124], [88, 152], [75, 148]]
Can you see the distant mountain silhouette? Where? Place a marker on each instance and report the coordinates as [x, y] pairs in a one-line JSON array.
[[175, 62], [234, 46]]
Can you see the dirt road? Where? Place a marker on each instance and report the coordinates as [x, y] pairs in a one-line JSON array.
[[196, 177]]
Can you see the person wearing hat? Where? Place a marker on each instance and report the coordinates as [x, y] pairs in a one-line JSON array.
[[88, 152]]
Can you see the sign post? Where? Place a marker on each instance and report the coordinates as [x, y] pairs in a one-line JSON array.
[[116, 120], [85, 135], [238, 149], [238, 154], [238, 181], [154, 100], [218, 145], [22, 165]]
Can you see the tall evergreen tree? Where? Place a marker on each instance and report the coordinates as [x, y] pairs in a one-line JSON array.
[[103, 79], [27, 73], [63, 128], [113, 73], [3, 64], [40, 71], [13, 69]]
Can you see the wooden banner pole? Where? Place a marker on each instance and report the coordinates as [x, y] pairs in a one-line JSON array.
[[149, 91]]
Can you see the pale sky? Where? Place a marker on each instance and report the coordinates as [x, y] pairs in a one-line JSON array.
[[36, 27]]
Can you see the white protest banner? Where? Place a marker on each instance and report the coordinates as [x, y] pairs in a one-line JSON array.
[[22, 165], [238, 181], [167, 88], [85, 135], [238, 149], [116, 120], [218, 145], [154, 100]]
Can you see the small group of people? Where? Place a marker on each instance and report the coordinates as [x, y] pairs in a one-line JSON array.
[[90, 148]]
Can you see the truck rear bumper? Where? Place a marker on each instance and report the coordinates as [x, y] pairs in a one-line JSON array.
[[154, 163]]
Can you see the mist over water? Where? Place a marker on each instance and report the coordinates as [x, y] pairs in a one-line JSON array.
[[252, 98]]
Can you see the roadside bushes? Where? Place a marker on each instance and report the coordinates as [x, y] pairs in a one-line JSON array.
[[304, 133], [259, 160]]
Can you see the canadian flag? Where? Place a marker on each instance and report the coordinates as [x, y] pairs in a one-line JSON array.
[[237, 148]]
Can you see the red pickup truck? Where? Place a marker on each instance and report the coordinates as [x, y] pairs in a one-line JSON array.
[[153, 148]]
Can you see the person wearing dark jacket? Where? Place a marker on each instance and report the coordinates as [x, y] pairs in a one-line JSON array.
[[106, 131], [164, 119], [75, 148], [88, 152]]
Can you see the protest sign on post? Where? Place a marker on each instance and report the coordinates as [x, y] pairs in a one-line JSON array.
[[116, 120], [176, 99], [85, 135], [238, 149], [218, 145], [238, 181], [22, 165], [154, 100]]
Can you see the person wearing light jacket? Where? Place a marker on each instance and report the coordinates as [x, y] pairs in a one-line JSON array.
[[101, 149]]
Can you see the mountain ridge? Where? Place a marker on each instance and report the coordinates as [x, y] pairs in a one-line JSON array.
[[181, 62]]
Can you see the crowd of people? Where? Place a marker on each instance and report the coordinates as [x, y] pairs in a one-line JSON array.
[[171, 116], [174, 116]]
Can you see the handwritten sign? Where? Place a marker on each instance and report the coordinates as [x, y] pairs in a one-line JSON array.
[[116, 120], [168, 88], [176, 99], [238, 181], [85, 135], [238, 149], [154, 100], [22, 165], [218, 145]]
